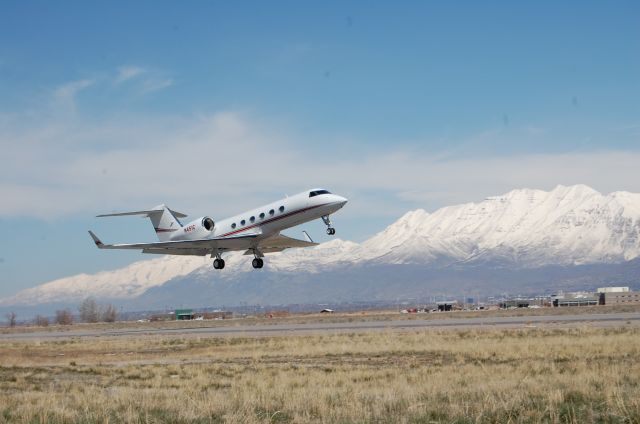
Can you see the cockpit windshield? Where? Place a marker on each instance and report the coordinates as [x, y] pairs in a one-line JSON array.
[[318, 192]]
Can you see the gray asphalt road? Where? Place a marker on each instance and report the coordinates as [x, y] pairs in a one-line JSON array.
[[594, 320]]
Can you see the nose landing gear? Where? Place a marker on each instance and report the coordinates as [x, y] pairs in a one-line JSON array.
[[327, 221]]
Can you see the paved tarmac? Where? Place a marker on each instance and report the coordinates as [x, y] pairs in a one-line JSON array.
[[268, 329]]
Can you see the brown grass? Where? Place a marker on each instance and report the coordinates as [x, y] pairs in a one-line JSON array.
[[581, 375]]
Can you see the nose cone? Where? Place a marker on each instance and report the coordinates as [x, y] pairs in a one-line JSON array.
[[339, 200]]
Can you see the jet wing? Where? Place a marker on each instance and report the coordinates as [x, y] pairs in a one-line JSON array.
[[200, 247], [279, 243]]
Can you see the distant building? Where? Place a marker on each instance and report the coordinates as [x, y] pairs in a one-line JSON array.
[[217, 315], [447, 305], [620, 298], [515, 303], [613, 289], [184, 314], [520, 302], [576, 299]]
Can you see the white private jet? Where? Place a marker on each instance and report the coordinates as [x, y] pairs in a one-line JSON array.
[[256, 231]]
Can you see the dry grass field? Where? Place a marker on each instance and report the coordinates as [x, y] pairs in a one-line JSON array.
[[582, 375]]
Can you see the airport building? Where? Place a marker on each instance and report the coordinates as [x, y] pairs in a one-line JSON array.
[[447, 305], [184, 314], [612, 289], [188, 314], [534, 302], [515, 303], [618, 296], [576, 299], [216, 315]]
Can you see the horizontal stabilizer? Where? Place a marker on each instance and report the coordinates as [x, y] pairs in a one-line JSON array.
[[149, 213], [145, 213]]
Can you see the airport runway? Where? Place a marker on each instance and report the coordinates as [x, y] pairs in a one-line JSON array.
[[268, 329]]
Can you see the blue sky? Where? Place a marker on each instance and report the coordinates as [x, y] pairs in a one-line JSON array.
[[214, 108]]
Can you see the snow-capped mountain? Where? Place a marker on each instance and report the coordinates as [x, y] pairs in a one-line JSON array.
[[520, 230], [130, 281], [566, 226]]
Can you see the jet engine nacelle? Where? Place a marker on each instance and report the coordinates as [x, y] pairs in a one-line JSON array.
[[199, 227]]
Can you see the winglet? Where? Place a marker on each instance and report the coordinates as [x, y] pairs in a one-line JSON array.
[[96, 240], [307, 237]]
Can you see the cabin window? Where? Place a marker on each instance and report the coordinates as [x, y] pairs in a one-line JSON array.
[[243, 222], [271, 212], [252, 219], [262, 215], [233, 225], [281, 209]]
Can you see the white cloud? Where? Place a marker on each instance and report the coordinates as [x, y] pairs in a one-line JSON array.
[[70, 89], [422, 180], [143, 80], [150, 85], [57, 166], [126, 73], [64, 96], [147, 80], [221, 161]]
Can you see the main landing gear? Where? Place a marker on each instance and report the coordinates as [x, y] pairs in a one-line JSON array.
[[330, 230], [257, 261], [218, 262]]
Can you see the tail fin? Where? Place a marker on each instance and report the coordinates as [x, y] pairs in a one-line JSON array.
[[164, 220]]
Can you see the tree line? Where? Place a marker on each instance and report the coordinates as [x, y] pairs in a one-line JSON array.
[[88, 311]]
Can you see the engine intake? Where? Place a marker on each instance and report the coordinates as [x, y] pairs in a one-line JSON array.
[[208, 223]]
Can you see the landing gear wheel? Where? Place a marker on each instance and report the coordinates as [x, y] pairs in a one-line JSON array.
[[218, 263], [257, 263], [327, 221]]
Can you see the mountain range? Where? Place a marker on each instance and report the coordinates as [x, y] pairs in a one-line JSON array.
[[524, 241]]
